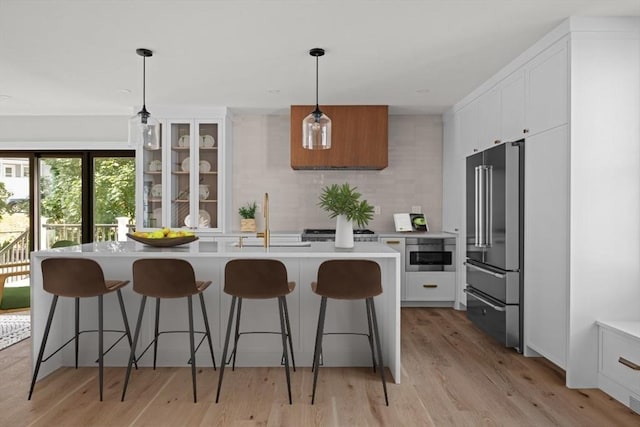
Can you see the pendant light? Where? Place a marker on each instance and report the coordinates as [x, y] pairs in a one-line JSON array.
[[144, 128], [316, 127]]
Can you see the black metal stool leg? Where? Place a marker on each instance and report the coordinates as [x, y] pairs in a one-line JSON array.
[[226, 346], [370, 336], [286, 319], [205, 318], [132, 356], [77, 328], [125, 320], [192, 349], [156, 333], [283, 332], [377, 339], [47, 328], [318, 348], [237, 334], [100, 343]]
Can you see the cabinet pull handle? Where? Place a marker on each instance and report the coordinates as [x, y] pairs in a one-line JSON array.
[[629, 364], [393, 242], [429, 285], [497, 141], [525, 130]]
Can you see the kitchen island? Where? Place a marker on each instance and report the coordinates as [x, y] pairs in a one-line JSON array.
[[208, 260]]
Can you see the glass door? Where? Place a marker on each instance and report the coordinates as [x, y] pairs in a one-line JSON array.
[[113, 197], [14, 209], [60, 214]]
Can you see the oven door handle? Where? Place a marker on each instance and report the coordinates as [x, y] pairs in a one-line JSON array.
[[484, 270], [484, 300]]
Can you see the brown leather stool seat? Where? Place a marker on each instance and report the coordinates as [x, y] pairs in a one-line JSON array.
[[257, 279], [168, 278], [349, 280], [78, 278]]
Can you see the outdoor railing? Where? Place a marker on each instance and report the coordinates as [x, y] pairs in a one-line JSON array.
[[72, 232], [17, 251]]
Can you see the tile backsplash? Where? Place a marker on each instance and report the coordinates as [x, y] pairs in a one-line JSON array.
[[262, 164]]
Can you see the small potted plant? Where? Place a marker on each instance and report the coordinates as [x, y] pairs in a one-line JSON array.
[[248, 217], [343, 202]]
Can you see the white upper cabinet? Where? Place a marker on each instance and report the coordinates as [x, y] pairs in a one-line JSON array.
[[468, 128], [182, 184], [512, 120], [489, 112], [547, 89]]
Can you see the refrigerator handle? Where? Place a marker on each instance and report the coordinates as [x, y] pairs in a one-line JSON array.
[[489, 206], [477, 210]]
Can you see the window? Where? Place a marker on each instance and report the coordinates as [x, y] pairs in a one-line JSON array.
[[25, 171], [8, 171]]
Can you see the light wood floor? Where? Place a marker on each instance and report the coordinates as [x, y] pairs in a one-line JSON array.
[[452, 376]]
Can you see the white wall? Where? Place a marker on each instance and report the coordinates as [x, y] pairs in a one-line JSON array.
[[262, 164]]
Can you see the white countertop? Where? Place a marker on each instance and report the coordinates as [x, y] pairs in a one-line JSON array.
[[218, 250], [630, 328]]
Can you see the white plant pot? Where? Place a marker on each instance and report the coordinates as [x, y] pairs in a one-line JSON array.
[[344, 232]]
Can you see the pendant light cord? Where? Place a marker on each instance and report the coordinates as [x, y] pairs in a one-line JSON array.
[[317, 105], [144, 78]]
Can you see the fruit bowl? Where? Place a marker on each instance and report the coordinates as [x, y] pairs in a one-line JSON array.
[[165, 242]]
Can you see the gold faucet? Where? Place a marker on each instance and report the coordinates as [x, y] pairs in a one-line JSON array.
[[266, 234]]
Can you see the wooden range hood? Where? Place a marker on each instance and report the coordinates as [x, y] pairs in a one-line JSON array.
[[359, 138]]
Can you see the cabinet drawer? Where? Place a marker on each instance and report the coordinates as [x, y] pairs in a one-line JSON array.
[[616, 351], [430, 286]]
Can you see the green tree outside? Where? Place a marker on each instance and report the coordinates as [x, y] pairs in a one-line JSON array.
[[114, 180]]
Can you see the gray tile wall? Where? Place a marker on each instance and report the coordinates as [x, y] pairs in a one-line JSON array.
[[261, 164]]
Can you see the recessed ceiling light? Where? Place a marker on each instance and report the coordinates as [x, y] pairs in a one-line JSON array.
[[422, 91], [274, 91], [124, 91], [4, 98]]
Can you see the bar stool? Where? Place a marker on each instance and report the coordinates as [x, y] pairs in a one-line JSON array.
[[78, 278], [168, 278], [257, 279], [349, 280]]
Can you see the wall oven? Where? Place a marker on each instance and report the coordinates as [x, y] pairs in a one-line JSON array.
[[429, 254]]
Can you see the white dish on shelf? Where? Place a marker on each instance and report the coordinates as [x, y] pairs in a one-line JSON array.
[[207, 141], [157, 215], [183, 141], [185, 164], [204, 219], [155, 166], [156, 190], [204, 166]]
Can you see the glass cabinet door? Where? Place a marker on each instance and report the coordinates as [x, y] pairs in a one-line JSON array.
[[152, 194], [180, 138], [194, 174], [207, 176]]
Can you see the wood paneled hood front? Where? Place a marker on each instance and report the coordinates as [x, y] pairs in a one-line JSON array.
[[359, 138]]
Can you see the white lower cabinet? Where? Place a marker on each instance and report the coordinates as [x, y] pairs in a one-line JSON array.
[[619, 361], [430, 286]]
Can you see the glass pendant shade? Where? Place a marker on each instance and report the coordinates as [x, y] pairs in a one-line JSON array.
[[316, 127], [145, 132], [316, 131]]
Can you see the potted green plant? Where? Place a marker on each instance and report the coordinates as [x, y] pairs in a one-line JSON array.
[[248, 217], [343, 203]]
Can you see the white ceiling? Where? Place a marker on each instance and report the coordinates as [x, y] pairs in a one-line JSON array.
[[78, 57]]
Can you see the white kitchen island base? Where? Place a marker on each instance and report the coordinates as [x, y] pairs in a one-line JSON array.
[[208, 260]]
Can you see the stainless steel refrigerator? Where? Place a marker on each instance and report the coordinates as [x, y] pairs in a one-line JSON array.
[[495, 224]]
